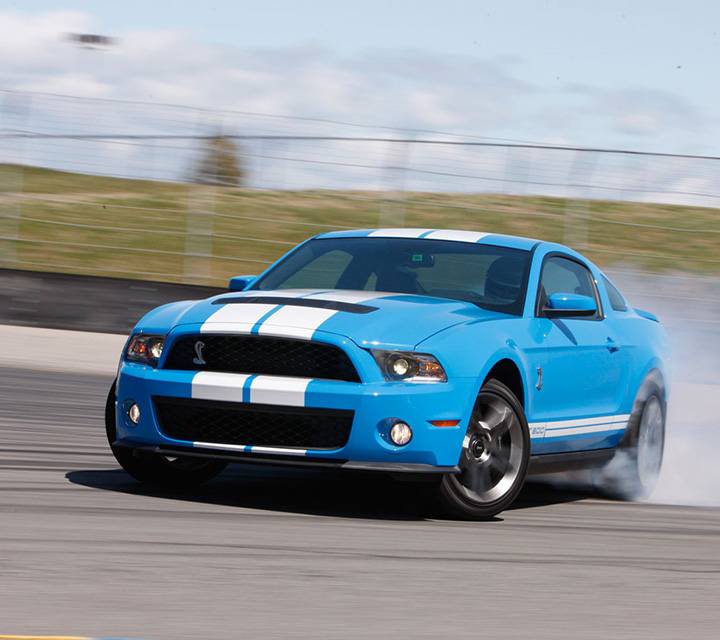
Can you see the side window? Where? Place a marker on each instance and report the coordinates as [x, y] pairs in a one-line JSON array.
[[617, 302], [563, 275]]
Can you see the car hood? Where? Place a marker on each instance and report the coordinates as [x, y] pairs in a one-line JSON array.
[[370, 319]]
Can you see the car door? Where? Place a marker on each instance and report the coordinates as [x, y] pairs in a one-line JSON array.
[[583, 381]]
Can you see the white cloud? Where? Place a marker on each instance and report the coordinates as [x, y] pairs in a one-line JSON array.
[[379, 89], [640, 112]]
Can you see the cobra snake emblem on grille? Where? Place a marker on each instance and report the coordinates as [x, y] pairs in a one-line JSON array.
[[199, 346]]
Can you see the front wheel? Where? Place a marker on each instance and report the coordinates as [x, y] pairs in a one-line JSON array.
[[494, 458], [152, 468]]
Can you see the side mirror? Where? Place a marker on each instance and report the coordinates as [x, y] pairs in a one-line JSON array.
[[240, 283], [569, 305]]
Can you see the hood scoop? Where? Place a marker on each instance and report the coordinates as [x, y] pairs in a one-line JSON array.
[[333, 305]]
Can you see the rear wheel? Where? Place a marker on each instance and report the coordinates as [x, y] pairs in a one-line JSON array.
[[155, 469], [633, 472], [494, 458]]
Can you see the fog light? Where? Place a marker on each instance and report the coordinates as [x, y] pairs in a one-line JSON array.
[[400, 434], [134, 413]]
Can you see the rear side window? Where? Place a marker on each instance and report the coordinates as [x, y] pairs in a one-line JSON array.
[[617, 301]]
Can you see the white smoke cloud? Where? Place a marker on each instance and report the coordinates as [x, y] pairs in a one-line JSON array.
[[689, 307]]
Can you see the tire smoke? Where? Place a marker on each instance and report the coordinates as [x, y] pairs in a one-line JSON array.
[[689, 308]]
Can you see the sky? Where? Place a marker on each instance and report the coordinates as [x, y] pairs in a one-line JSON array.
[[633, 74]]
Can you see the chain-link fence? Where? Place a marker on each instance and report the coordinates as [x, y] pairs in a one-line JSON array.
[[129, 202]]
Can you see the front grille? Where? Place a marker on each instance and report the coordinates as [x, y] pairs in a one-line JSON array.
[[253, 424], [261, 355]]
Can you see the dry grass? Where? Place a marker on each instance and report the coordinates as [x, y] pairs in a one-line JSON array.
[[95, 225]]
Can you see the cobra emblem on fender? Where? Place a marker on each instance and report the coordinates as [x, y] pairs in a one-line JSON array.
[[199, 346]]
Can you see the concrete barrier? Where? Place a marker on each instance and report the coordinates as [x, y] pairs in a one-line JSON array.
[[85, 303]]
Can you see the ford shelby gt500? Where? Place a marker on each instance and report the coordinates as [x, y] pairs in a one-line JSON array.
[[477, 358]]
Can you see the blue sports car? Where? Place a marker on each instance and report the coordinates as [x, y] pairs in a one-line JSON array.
[[475, 358]]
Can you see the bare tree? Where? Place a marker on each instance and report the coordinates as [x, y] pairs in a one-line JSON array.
[[221, 163]]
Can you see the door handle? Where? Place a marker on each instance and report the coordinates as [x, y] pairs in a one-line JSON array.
[[612, 346]]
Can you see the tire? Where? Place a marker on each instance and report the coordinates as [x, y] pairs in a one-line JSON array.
[[633, 472], [152, 468], [494, 457]]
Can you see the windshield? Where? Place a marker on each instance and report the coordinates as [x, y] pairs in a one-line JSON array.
[[491, 277]]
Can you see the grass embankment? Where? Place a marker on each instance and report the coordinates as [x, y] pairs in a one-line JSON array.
[[132, 228]]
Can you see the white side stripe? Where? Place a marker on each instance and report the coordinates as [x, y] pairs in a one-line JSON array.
[[584, 426], [579, 431], [585, 422]]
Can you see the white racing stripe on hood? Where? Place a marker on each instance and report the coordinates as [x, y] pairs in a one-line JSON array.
[[286, 321], [297, 322], [460, 236], [302, 322], [236, 318]]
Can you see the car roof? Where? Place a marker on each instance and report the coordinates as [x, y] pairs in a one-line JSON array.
[[476, 237]]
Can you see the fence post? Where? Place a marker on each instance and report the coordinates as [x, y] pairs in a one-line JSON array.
[[15, 114], [198, 233], [577, 210], [393, 206]]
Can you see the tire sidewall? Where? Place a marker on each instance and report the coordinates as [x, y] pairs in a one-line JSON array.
[[150, 468], [457, 504], [620, 478]]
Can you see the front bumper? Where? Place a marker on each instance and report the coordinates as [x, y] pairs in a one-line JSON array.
[[373, 405]]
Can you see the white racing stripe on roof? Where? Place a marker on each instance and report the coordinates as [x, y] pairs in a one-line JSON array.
[[460, 236], [298, 322], [289, 392], [398, 233], [223, 387]]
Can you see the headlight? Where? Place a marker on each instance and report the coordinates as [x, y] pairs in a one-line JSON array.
[[145, 349], [407, 366]]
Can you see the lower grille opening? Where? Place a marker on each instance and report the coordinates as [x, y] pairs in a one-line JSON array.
[[253, 424]]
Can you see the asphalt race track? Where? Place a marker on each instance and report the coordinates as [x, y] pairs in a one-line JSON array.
[[276, 554]]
